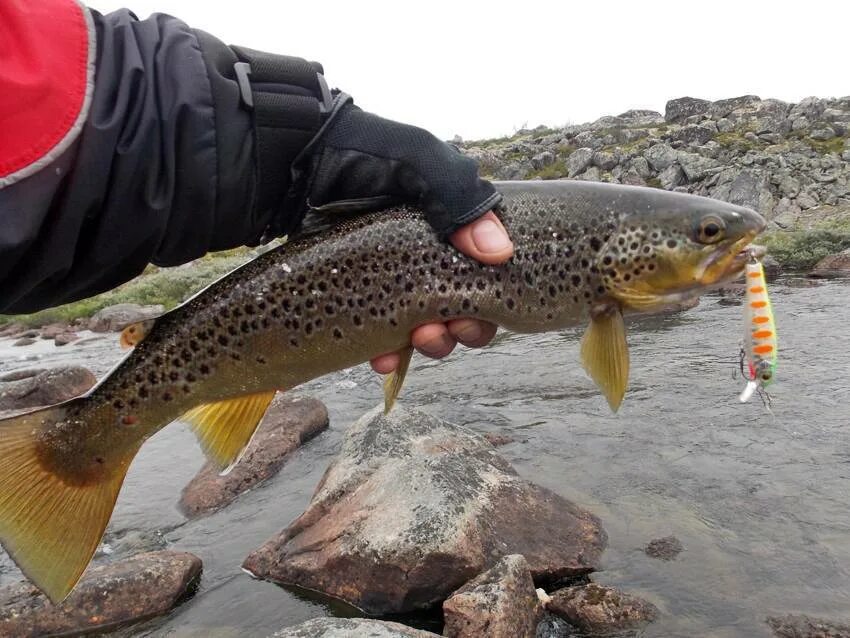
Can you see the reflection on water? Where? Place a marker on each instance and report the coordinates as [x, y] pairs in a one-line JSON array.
[[758, 499]]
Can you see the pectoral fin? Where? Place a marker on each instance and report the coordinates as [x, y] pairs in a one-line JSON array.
[[394, 380], [133, 334], [605, 354], [225, 428]]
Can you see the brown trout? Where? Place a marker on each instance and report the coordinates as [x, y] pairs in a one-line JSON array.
[[585, 252]]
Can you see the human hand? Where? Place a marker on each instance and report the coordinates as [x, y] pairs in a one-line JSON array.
[[486, 240]]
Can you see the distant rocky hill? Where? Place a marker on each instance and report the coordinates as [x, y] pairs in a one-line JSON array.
[[791, 162]]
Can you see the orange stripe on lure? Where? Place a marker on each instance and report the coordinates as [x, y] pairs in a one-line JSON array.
[[759, 348]]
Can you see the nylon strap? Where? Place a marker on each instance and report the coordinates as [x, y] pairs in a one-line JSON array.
[[289, 99]]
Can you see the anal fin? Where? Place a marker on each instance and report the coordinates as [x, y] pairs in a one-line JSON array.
[[605, 355], [395, 379], [225, 428]]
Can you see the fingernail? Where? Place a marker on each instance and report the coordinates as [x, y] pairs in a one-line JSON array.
[[470, 333], [436, 346], [489, 237]]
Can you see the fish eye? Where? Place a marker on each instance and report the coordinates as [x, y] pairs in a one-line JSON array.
[[711, 230]]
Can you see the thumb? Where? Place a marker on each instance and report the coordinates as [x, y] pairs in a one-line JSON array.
[[484, 239]]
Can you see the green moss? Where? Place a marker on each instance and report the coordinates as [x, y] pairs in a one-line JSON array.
[[166, 286], [736, 140], [801, 250], [553, 171], [654, 182]]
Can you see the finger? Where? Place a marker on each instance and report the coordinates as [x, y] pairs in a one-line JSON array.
[[485, 239], [385, 363], [433, 340], [472, 333]]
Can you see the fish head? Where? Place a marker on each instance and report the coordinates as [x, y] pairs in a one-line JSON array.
[[671, 246]]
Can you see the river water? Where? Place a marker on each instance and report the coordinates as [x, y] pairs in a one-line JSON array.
[[757, 498]]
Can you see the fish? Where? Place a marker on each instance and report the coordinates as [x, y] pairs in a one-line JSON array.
[[759, 351], [585, 253]]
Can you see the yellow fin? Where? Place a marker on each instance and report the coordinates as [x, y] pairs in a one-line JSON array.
[[49, 527], [225, 428], [133, 334], [605, 355], [395, 379]]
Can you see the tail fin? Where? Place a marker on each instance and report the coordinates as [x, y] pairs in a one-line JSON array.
[[49, 527]]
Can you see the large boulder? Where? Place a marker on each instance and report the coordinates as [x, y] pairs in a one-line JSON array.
[[499, 603], [837, 265], [117, 317], [412, 508], [289, 422], [351, 628], [108, 596], [601, 610], [680, 109], [24, 389]]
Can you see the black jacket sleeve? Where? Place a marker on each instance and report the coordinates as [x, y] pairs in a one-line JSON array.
[[177, 157], [162, 172]]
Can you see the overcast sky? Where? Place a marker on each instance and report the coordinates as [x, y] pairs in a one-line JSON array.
[[484, 69]]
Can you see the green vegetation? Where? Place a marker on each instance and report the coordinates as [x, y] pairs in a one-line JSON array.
[[553, 171], [166, 286], [654, 182], [824, 147], [736, 140], [802, 249]]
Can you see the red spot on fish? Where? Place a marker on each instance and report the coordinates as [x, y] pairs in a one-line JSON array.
[[129, 419]]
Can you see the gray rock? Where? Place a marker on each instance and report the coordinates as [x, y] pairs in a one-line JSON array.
[[661, 156], [802, 626], [513, 171], [694, 135], [290, 422], [810, 107], [684, 107], [605, 160], [724, 108], [786, 213], [25, 341], [789, 186], [24, 389], [800, 124], [748, 187], [697, 167], [600, 610], [499, 603], [641, 117], [807, 199], [632, 178], [579, 160], [641, 167], [114, 318], [592, 174], [833, 265], [107, 597], [671, 177], [65, 338], [823, 133], [414, 507], [666, 548], [725, 125], [351, 628], [541, 160]]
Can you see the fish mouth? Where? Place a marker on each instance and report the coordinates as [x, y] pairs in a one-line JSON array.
[[726, 263]]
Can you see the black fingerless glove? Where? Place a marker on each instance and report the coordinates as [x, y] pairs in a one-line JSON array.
[[361, 160]]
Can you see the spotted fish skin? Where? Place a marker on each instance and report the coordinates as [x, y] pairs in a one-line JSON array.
[[583, 252], [329, 302]]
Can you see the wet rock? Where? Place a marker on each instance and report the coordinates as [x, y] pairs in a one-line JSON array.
[[12, 329], [598, 609], [666, 548], [772, 267], [684, 107], [108, 596], [833, 265], [50, 331], [65, 338], [802, 626], [25, 341], [351, 628], [117, 317], [497, 440], [289, 422], [414, 507], [499, 603], [30, 388]]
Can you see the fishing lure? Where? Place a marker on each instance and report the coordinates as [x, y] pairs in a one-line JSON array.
[[758, 354]]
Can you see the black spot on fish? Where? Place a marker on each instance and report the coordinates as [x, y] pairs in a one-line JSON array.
[[595, 244], [223, 340]]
